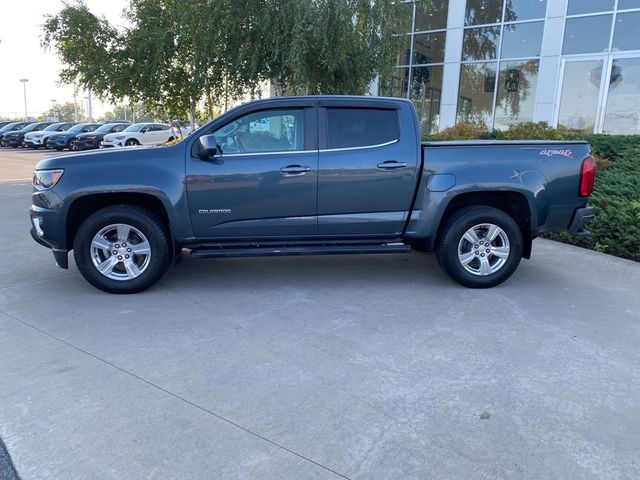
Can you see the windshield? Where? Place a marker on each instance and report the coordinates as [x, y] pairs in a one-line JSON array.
[[31, 127], [8, 127], [106, 128], [52, 127], [77, 128], [135, 127]]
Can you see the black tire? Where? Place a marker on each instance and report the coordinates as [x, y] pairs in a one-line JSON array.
[[139, 218], [418, 245], [452, 233], [131, 142]]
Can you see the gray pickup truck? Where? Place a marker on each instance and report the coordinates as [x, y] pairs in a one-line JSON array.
[[307, 176]]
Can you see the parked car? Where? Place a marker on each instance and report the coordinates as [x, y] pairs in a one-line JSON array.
[[5, 123], [15, 139], [308, 176], [95, 139], [140, 134], [39, 139], [66, 139], [12, 127]]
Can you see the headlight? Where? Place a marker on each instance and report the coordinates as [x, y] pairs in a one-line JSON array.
[[38, 135], [119, 137], [46, 179]]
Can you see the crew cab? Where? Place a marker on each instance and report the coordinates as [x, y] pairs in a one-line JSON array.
[[307, 176], [140, 134]]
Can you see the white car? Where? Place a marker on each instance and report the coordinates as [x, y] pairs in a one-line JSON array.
[[39, 139], [140, 134]]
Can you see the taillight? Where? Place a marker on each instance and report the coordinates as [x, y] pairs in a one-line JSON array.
[[588, 176]]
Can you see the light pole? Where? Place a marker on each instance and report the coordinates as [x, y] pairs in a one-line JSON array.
[[89, 110], [53, 108], [75, 107], [24, 88]]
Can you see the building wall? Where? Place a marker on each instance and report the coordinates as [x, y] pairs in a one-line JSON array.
[[574, 63]]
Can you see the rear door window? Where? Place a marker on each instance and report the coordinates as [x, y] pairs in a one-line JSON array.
[[361, 127]]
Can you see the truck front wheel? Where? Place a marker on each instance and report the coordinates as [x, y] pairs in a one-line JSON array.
[[122, 249], [479, 247]]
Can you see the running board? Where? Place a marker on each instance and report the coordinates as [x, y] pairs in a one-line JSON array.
[[277, 251]]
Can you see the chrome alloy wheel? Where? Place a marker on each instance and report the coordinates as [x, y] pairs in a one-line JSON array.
[[120, 252], [483, 249]]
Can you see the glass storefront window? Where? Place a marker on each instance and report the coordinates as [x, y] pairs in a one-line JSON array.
[[521, 40], [578, 7], [432, 16], [404, 55], [480, 43], [483, 12], [626, 35], [525, 10], [398, 83], [624, 4], [587, 34], [517, 83], [477, 86], [428, 48], [580, 93], [623, 104], [426, 89]]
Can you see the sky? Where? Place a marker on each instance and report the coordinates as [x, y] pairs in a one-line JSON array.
[[21, 56]]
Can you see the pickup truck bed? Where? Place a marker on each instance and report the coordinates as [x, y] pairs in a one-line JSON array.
[[310, 175]]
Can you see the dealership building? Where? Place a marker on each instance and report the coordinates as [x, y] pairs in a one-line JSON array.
[[571, 63]]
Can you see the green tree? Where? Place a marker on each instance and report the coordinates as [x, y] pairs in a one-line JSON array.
[[134, 112], [64, 112], [325, 46], [171, 59]]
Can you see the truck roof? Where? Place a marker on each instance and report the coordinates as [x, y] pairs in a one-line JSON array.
[[329, 100]]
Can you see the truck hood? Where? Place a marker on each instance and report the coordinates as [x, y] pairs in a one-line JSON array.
[[107, 157]]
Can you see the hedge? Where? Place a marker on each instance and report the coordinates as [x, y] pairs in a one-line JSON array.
[[616, 198]]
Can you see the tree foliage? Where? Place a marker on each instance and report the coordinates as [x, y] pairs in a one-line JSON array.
[[176, 54], [64, 112], [134, 113]]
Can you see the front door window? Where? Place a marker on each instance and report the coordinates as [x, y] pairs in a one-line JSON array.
[[263, 132]]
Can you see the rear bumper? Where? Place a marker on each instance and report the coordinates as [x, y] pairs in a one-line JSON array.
[[581, 217]]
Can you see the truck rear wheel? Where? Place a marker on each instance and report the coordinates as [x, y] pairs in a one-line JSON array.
[[122, 249], [479, 247]]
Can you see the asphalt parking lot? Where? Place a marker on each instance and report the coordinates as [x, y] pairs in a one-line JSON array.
[[361, 367]]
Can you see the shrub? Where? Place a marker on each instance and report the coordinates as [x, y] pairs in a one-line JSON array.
[[463, 131]]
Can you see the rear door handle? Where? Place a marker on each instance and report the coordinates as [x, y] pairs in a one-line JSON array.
[[295, 170], [391, 165]]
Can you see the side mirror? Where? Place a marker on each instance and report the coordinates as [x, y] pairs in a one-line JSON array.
[[207, 146]]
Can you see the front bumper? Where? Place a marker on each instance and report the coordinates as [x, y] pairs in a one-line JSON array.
[[12, 142], [581, 217], [48, 227], [58, 143], [86, 144]]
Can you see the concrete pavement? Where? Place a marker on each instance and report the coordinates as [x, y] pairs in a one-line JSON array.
[[368, 367]]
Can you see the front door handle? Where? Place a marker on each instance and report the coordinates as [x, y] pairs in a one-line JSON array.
[[295, 170], [391, 165]]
